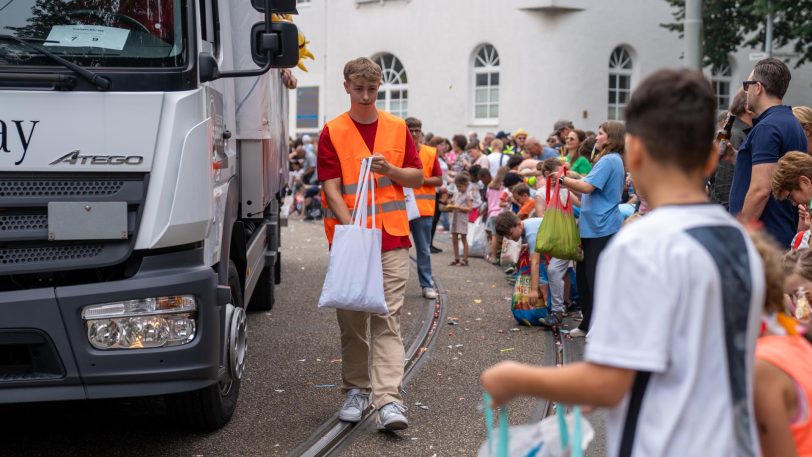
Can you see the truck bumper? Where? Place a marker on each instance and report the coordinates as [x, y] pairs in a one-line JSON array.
[[45, 354]]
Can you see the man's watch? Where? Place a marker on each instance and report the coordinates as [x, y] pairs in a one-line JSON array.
[[561, 180]]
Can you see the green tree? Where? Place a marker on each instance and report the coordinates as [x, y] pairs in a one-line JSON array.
[[728, 25]]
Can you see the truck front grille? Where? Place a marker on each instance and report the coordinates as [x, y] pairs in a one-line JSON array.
[[56, 188], [24, 198], [23, 222], [10, 256]]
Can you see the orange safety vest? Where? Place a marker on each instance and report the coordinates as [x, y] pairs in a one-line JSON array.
[[425, 196], [390, 141], [793, 354]]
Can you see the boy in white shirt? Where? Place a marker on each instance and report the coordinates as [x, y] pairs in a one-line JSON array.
[[677, 302]]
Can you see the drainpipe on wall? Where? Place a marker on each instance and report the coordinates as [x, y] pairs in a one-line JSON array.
[[693, 34]]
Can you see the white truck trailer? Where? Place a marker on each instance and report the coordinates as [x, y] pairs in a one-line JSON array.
[[143, 155]]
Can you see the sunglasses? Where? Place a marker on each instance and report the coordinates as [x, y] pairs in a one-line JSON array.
[[747, 84]]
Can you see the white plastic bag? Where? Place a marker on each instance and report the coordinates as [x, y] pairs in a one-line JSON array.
[[355, 274], [510, 252], [412, 212], [552, 437], [478, 245]]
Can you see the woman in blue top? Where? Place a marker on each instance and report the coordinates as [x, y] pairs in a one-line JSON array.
[[600, 217]]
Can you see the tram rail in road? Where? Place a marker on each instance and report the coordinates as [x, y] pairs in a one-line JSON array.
[[333, 435]]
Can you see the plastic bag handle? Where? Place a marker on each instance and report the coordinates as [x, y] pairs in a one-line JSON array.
[[362, 195], [502, 448], [573, 443], [561, 173], [359, 212]]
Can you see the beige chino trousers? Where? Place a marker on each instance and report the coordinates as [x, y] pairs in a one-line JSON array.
[[371, 346]]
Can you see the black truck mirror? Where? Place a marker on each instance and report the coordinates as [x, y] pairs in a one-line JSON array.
[[276, 6], [282, 42]]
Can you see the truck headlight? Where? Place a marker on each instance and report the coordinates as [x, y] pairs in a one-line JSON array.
[[144, 323]]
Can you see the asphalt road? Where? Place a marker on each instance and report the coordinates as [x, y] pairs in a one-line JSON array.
[[294, 359]]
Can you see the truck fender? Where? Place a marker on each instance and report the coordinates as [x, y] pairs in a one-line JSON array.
[[229, 229]]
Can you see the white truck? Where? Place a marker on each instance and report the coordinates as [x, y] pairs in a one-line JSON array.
[[141, 170]]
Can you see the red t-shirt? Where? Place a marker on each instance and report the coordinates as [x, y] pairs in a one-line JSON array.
[[329, 167]]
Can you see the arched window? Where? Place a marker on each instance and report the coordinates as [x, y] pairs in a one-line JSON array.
[[620, 82], [486, 83], [721, 77], [393, 95]]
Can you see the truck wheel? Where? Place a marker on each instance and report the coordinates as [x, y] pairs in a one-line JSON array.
[[263, 298], [211, 408]]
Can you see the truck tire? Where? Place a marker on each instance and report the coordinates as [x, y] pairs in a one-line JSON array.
[[211, 408]]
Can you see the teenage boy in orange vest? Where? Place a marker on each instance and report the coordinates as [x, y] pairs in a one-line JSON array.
[[425, 197], [362, 132]]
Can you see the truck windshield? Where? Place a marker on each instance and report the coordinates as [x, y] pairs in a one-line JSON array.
[[98, 33]]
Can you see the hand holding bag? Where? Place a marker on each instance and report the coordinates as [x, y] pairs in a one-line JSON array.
[[355, 273]]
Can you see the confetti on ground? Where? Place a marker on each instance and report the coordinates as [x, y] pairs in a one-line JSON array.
[[493, 286], [478, 319], [507, 349], [279, 391], [324, 386], [303, 360], [335, 360], [423, 407], [452, 321], [515, 329], [477, 301]]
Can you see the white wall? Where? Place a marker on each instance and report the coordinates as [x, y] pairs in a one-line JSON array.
[[553, 64]]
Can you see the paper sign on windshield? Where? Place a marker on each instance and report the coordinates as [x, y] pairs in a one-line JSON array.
[[92, 36]]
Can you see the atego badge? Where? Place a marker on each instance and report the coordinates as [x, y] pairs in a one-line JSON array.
[[73, 158]]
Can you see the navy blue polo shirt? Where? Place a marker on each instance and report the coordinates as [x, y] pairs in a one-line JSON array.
[[774, 133]]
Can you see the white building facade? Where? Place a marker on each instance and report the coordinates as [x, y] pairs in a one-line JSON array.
[[490, 65]]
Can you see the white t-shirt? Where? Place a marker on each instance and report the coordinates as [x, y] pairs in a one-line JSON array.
[[497, 160], [679, 294]]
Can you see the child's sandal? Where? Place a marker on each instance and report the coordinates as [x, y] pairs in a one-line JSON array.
[[455, 262], [464, 263]]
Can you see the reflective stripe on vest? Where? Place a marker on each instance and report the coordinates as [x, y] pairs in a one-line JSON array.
[[425, 196], [351, 189], [390, 141]]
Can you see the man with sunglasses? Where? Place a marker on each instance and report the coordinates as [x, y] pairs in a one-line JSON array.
[[775, 132]]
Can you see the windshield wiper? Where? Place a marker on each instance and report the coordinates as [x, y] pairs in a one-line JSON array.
[[98, 81]]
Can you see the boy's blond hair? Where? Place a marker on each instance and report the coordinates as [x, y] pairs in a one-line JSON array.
[[363, 70], [788, 172], [497, 145], [803, 114]]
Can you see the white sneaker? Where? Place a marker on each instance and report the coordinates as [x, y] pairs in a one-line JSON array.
[[354, 407], [429, 293], [392, 417], [577, 333]]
